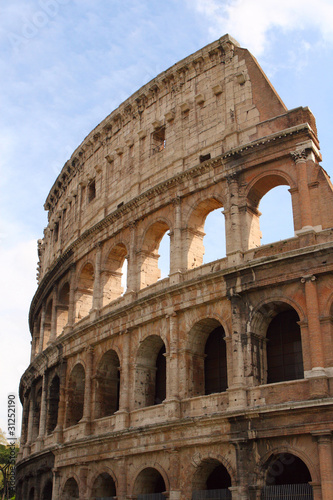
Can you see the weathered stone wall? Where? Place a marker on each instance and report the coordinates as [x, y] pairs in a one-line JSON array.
[[124, 388]]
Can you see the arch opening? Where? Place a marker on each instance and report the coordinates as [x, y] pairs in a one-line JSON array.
[[199, 221], [150, 257], [103, 487], [71, 490], [107, 385], [274, 221], [36, 413], [214, 241], [287, 476], [284, 348], [53, 404], [212, 481], [150, 372], [62, 308], [149, 485], [216, 362], [84, 292], [114, 274], [47, 491], [75, 399], [202, 377]]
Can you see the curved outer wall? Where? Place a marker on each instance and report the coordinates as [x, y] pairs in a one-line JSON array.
[[121, 397]]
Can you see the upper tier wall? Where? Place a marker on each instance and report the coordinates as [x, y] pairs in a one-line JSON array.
[[206, 104]]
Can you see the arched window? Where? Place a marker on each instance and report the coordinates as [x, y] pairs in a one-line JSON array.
[[287, 476], [47, 324], [149, 482], [62, 308], [112, 274], [36, 413], [207, 363], [75, 398], [150, 272], [284, 348], [107, 385], [276, 219], [150, 372], [53, 404], [84, 292], [211, 481], [216, 362], [103, 487], [71, 490], [215, 233], [47, 491], [31, 494], [274, 206], [214, 239]]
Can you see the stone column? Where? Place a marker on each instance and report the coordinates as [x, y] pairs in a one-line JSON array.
[[171, 403], [317, 376], [30, 418], [87, 410], [133, 273], [43, 409], [237, 385], [71, 305], [58, 431], [124, 396], [233, 222], [56, 484], [83, 487], [25, 420], [324, 440], [42, 326], [96, 303], [53, 334], [300, 156], [35, 341], [176, 250]]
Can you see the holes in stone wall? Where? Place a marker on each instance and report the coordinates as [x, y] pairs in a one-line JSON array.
[[158, 141], [91, 191]]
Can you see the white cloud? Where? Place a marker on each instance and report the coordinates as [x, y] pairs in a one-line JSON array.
[[249, 21]]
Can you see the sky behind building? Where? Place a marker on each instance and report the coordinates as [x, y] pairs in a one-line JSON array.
[[66, 64]]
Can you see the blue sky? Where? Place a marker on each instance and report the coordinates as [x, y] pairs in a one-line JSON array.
[[66, 64]]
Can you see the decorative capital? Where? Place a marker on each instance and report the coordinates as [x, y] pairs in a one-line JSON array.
[[299, 155], [308, 278], [176, 201]]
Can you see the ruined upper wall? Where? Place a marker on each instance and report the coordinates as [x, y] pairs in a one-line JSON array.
[[205, 105]]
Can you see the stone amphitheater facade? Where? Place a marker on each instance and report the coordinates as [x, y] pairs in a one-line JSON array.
[[216, 381]]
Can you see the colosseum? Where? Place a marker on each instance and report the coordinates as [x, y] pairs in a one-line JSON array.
[[216, 381]]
